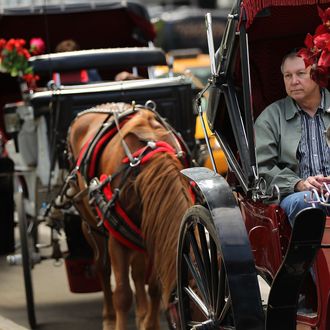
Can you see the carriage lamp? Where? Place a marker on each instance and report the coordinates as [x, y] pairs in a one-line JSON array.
[[14, 115]]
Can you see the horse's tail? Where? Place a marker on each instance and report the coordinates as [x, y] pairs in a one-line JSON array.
[[165, 195]]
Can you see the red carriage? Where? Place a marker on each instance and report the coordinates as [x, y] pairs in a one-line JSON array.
[[239, 234]]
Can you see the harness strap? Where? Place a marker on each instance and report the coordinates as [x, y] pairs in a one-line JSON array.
[[159, 146], [105, 201], [114, 218]]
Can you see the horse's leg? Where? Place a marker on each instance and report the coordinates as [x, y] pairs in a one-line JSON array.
[[103, 268], [122, 294], [152, 320], [141, 299]]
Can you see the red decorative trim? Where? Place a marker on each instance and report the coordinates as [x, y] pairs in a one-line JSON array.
[[108, 194], [121, 238], [84, 76], [121, 213], [104, 139], [117, 235], [252, 7]]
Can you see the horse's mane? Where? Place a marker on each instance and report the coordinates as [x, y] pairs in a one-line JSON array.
[[165, 197]]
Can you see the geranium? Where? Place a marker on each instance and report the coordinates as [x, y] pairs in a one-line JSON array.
[[317, 51], [14, 57], [37, 46]]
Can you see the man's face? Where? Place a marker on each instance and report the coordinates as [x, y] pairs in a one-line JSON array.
[[297, 80]]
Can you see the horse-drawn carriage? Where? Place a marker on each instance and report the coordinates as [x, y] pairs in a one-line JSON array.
[[50, 109], [235, 234]]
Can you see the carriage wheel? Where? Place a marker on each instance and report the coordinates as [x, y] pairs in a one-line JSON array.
[[204, 299], [26, 258]]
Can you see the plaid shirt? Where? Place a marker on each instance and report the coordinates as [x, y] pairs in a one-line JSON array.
[[313, 152]]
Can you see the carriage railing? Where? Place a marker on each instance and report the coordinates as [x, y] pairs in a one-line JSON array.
[[224, 100], [321, 197]]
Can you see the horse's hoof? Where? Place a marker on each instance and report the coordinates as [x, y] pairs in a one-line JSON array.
[[109, 325]]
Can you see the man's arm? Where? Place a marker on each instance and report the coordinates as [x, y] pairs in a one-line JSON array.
[[268, 139]]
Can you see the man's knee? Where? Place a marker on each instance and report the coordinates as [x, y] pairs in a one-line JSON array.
[[294, 203]]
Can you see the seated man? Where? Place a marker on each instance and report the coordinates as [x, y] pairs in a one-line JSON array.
[[75, 77], [290, 138]]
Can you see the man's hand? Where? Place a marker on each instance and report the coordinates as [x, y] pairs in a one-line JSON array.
[[312, 182]]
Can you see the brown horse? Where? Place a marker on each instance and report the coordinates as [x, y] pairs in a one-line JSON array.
[[139, 169]]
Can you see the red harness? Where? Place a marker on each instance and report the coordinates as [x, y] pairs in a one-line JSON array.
[[116, 221]]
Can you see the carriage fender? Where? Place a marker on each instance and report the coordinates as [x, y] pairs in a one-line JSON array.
[[234, 244]]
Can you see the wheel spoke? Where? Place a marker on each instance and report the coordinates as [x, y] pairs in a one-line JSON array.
[[226, 308], [214, 274], [222, 288], [196, 276], [205, 252], [198, 302], [204, 299], [200, 265]]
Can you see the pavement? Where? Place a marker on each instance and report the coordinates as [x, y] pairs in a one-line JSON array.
[[56, 307]]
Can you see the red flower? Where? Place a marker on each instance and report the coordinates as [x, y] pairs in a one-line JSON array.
[[37, 46], [14, 58], [317, 51], [324, 60], [320, 74], [2, 44], [325, 16], [322, 41], [309, 54]]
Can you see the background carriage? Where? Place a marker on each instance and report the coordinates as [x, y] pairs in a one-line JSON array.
[[57, 105]]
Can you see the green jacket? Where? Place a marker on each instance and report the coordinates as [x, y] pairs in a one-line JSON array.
[[278, 132]]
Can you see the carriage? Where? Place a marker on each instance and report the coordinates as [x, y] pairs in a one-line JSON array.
[[238, 234], [51, 109]]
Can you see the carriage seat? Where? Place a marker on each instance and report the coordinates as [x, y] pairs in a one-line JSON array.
[[115, 59], [172, 97]]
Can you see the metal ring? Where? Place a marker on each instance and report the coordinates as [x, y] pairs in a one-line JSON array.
[[135, 162], [151, 104]]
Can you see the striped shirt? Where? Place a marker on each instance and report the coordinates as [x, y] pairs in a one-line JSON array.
[[313, 152]]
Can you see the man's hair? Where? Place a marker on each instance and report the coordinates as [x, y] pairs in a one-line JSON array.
[[67, 46], [291, 54]]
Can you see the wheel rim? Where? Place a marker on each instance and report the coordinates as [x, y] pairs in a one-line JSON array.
[[204, 299], [26, 259]]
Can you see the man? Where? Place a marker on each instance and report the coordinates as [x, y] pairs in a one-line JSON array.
[[290, 137]]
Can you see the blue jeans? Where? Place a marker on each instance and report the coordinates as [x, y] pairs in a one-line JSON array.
[[294, 203]]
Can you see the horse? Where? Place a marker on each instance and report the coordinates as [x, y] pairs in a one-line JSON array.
[[128, 181]]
